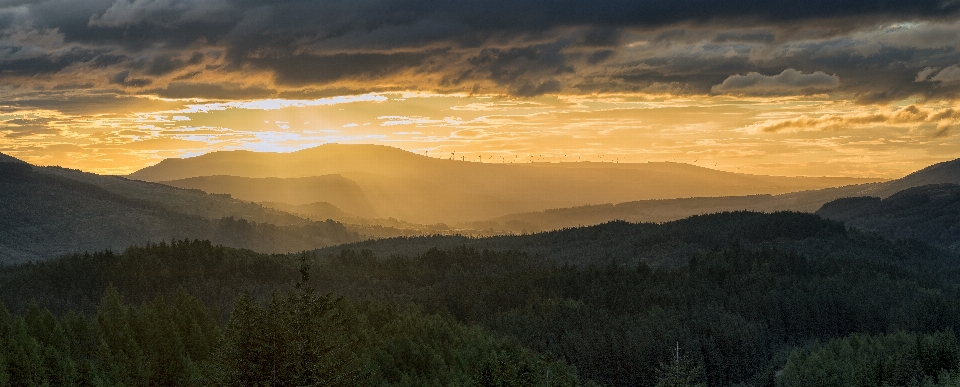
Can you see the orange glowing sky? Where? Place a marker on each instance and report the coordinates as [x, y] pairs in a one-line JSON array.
[[839, 89]]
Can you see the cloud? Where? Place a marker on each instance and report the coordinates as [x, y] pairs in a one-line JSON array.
[[943, 119], [529, 89], [944, 130], [925, 74], [947, 75], [124, 78], [469, 133], [264, 49], [163, 12], [161, 144], [27, 127], [789, 81]]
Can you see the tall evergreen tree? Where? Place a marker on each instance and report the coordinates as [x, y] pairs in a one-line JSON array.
[[680, 372], [25, 357], [120, 356], [4, 344], [297, 340]]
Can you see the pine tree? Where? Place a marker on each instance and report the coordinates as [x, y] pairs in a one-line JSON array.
[[297, 340], [62, 370], [681, 372], [25, 357], [121, 357], [243, 354], [4, 375], [4, 344]]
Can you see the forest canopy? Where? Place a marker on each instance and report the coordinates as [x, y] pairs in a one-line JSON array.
[[743, 303]]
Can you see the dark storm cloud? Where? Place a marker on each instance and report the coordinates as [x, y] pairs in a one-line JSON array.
[[523, 47], [309, 69], [210, 91], [124, 78]]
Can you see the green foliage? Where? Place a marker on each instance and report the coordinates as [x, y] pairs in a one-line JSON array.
[[298, 340], [658, 245], [734, 308], [930, 213], [411, 349], [681, 372], [898, 359], [738, 292]]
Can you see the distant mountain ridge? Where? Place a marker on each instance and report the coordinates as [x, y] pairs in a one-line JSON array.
[[426, 190], [947, 172], [335, 188], [10, 159], [48, 211]]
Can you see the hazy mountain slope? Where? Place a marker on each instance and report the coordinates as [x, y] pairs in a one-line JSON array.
[[947, 172], [347, 194], [186, 201], [420, 189], [8, 159], [930, 213], [317, 211], [673, 209], [44, 214]]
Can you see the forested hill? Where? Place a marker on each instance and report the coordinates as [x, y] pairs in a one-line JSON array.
[[7, 159], [47, 211], [669, 244], [930, 213], [749, 296]]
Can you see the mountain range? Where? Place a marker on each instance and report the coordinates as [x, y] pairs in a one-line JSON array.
[[48, 211], [745, 294], [419, 189], [947, 172]]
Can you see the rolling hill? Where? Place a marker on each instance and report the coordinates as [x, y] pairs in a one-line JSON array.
[[672, 209], [930, 213], [48, 211], [348, 195], [426, 190]]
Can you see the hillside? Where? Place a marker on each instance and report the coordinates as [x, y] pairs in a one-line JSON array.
[[186, 201], [656, 245], [48, 211], [426, 190], [347, 195], [673, 209], [930, 213], [318, 210], [741, 296]]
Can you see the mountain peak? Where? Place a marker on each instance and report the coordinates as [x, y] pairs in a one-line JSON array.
[[947, 169], [10, 159], [320, 160], [947, 172]]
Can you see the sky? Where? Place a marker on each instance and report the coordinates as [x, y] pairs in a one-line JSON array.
[[776, 87]]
